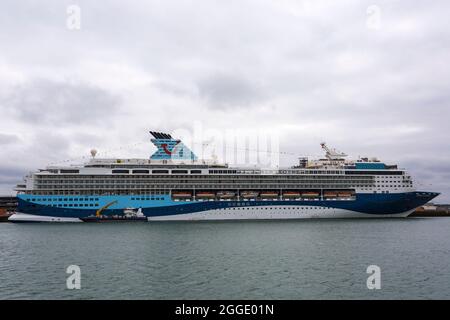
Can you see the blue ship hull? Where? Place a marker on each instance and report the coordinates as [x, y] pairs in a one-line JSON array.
[[163, 206]]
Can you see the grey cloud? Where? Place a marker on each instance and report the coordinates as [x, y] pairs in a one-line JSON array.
[[431, 175], [171, 88], [227, 90], [10, 176], [45, 102], [11, 171], [8, 138], [44, 147]]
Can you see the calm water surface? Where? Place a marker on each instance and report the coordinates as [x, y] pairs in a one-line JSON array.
[[314, 259]]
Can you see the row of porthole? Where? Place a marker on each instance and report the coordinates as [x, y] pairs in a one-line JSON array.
[[71, 205], [81, 199], [60, 199]]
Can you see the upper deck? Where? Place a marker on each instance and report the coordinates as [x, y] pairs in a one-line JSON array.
[[176, 167]]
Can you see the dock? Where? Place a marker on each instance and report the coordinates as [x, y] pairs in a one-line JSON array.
[[432, 210], [8, 205]]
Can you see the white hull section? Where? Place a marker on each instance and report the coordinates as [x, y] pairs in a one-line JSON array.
[[274, 213], [240, 213], [23, 217]]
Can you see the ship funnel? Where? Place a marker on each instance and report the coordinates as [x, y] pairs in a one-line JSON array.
[[170, 148]]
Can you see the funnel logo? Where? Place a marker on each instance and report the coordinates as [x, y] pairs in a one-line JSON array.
[[167, 151]]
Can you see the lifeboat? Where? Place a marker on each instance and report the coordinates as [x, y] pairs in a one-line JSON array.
[[310, 194], [345, 194], [249, 194], [330, 194], [226, 194], [205, 194], [291, 194], [269, 194]]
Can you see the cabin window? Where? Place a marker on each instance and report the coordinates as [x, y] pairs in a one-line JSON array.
[[69, 171], [141, 171], [120, 171], [179, 171]]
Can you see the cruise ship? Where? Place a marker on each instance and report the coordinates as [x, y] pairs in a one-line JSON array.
[[173, 184]]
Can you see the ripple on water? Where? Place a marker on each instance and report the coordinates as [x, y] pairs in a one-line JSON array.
[[227, 260]]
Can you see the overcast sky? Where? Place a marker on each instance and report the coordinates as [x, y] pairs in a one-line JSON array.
[[369, 77]]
